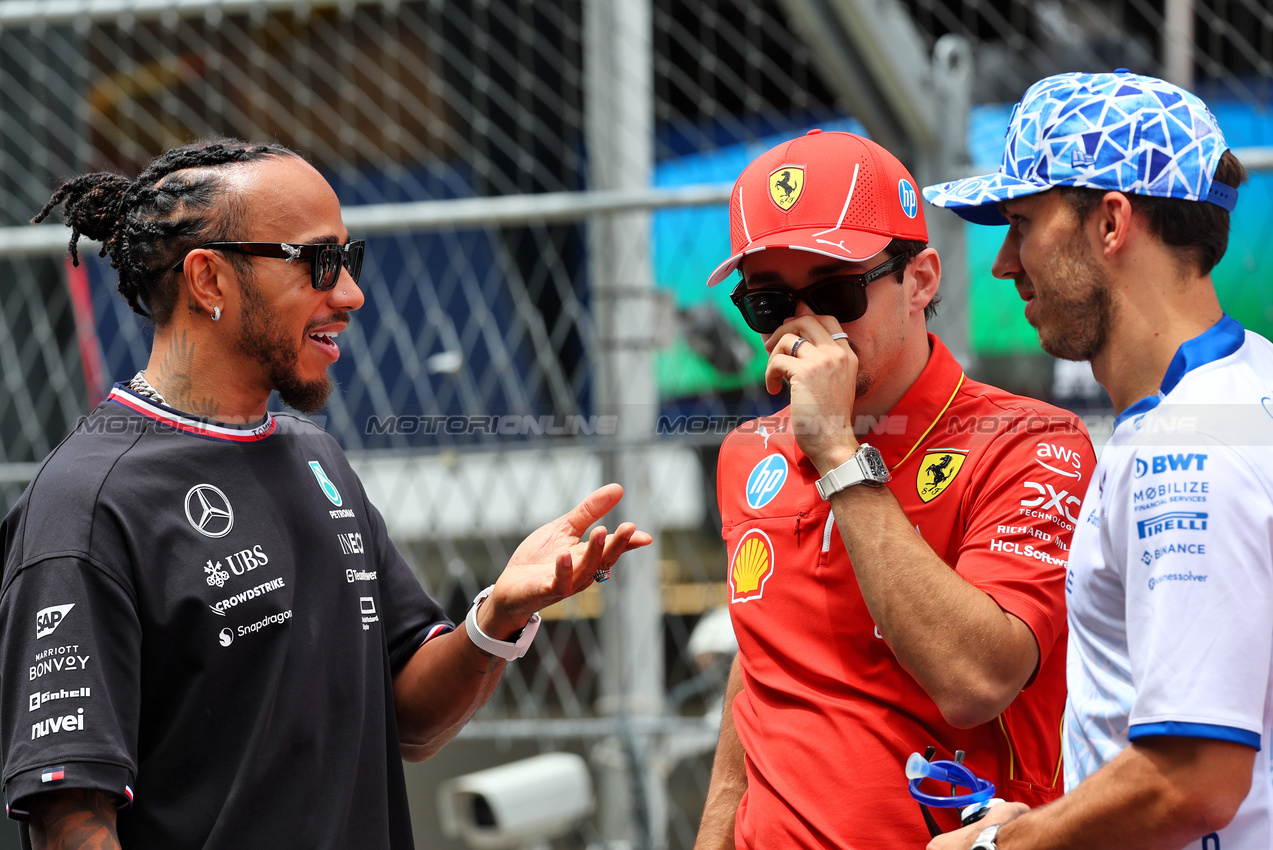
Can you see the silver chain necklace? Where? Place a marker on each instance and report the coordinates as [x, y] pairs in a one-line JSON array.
[[140, 385]]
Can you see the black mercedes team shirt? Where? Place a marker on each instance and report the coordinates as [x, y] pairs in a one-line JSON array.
[[205, 621]]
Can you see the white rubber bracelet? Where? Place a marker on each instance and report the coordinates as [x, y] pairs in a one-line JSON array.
[[507, 650]]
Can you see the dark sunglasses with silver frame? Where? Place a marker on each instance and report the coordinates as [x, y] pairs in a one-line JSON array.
[[324, 258], [842, 296]]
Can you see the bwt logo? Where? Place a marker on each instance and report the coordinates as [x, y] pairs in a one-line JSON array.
[[1174, 521], [1169, 463], [47, 620]]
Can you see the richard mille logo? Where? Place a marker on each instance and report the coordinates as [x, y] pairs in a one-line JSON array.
[[209, 511]]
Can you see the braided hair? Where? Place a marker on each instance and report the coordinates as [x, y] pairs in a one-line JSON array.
[[148, 224]]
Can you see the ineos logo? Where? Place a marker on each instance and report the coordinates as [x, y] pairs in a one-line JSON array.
[[209, 511]]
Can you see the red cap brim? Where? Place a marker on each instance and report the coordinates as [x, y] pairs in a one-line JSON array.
[[851, 246]]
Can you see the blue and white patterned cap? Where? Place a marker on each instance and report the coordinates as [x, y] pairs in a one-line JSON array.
[[1118, 131]]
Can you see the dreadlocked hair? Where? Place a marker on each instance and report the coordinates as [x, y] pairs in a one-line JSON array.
[[147, 225]]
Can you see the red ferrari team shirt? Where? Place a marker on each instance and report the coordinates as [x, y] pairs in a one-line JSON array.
[[993, 483]]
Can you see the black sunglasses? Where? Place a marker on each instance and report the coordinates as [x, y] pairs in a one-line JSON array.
[[842, 296], [325, 258]]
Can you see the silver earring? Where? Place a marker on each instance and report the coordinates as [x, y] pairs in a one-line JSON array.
[[216, 314]]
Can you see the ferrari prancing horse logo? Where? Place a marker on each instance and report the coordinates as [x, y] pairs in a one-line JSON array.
[[937, 470], [785, 186]]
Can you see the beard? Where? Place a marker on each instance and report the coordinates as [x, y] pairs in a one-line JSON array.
[[1074, 318], [262, 338]]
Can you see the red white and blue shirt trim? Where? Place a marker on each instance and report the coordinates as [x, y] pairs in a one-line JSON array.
[[206, 428]]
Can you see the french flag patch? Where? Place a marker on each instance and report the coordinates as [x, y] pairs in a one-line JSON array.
[[54, 774]]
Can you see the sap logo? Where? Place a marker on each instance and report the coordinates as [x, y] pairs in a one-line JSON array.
[[1174, 521], [65, 723], [48, 619], [765, 480], [1049, 497], [1059, 459], [350, 542], [1169, 463]]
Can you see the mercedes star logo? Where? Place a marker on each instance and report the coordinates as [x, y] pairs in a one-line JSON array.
[[209, 511]]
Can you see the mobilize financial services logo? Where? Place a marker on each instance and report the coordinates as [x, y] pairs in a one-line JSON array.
[[209, 511]]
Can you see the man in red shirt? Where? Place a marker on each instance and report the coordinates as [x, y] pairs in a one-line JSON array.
[[893, 588]]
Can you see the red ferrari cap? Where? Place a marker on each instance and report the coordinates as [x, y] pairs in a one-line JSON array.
[[831, 193]]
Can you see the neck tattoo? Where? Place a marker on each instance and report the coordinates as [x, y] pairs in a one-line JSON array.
[[140, 385]]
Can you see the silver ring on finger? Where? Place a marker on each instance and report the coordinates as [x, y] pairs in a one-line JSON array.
[[795, 345], [840, 336], [600, 576]]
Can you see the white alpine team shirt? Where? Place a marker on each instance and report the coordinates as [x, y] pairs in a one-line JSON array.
[[1170, 583]]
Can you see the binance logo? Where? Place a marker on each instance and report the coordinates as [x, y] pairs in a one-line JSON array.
[[785, 186], [937, 470]]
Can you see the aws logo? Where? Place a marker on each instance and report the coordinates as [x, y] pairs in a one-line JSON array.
[[751, 566]]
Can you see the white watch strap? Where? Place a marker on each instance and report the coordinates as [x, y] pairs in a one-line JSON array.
[[986, 839], [507, 650], [852, 471]]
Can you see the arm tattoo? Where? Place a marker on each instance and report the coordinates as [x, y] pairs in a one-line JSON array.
[[83, 819]]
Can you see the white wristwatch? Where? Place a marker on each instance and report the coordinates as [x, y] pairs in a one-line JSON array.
[[865, 467], [507, 650], [986, 840]]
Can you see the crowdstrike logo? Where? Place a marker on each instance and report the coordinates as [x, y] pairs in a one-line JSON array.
[[208, 511]]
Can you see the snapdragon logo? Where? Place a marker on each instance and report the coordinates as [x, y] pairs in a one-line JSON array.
[[265, 622]]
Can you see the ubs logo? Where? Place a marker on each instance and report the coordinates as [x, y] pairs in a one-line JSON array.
[[209, 511]]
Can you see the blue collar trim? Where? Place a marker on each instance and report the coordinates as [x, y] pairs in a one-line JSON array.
[[1218, 341]]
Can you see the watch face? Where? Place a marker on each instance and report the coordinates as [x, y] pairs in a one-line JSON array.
[[875, 464]]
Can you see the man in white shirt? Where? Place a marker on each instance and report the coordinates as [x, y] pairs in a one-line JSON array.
[[1116, 189]]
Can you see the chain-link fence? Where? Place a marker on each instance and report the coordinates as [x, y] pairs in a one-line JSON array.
[[531, 175]]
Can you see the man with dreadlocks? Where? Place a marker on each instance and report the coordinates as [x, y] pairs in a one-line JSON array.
[[207, 639]]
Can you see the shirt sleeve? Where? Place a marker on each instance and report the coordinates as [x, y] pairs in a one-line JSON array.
[[411, 616], [69, 705], [1019, 516], [1199, 595]]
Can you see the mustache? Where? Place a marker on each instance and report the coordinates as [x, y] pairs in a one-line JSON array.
[[342, 316]]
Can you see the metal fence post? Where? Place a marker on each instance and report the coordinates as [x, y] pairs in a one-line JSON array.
[[619, 126]]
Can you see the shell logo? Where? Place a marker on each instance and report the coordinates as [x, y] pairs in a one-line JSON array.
[[751, 566]]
